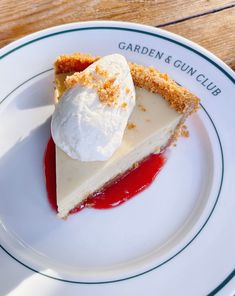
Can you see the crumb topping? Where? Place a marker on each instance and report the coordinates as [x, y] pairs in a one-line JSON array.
[[100, 81], [177, 132], [131, 125], [73, 62], [108, 92], [135, 165], [142, 108], [124, 105], [179, 98], [184, 131], [157, 150], [127, 90], [101, 72]]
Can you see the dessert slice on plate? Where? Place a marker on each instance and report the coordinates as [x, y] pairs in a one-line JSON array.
[[155, 121]]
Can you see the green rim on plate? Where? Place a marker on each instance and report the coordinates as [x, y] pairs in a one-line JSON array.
[[227, 74]]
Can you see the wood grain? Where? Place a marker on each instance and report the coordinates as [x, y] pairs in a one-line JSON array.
[[213, 30]]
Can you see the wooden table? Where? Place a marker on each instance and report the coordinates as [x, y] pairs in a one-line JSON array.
[[210, 23]]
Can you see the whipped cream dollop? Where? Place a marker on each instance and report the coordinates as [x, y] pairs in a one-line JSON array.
[[90, 119]]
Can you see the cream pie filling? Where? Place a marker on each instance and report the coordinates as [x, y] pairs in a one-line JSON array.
[[151, 125], [161, 109]]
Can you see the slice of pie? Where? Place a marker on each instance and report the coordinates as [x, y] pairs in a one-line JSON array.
[[161, 109]]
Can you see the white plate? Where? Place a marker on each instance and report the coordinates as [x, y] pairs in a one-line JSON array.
[[177, 237]]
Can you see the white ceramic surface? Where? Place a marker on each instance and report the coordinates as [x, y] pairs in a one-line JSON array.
[[177, 237]]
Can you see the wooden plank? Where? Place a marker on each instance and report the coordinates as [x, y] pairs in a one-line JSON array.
[[214, 31], [19, 18]]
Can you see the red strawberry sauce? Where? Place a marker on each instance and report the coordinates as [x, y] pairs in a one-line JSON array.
[[113, 194]]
